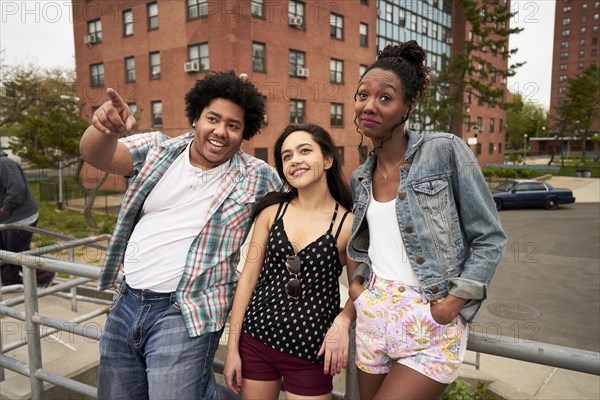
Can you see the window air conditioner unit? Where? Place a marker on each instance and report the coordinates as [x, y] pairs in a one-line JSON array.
[[89, 39], [191, 66], [303, 72], [295, 21], [449, 40]]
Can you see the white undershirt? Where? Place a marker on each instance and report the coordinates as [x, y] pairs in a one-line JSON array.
[[173, 214], [386, 248]]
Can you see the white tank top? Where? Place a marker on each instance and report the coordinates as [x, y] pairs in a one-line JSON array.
[[173, 215], [386, 247]]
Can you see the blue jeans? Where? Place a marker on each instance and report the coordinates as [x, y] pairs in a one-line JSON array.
[[147, 353]]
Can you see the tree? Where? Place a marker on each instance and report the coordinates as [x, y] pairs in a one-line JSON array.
[[468, 70], [524, 119], [580, 109], [39, 110]]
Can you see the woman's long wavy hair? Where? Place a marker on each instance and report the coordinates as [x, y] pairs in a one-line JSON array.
[[338, 187]]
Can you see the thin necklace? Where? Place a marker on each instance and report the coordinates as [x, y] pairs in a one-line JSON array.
[[393, 168]]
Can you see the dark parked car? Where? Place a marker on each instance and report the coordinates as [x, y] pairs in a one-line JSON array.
[[530, 193]]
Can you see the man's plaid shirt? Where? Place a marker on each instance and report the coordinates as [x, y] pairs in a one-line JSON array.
[[205, 292]]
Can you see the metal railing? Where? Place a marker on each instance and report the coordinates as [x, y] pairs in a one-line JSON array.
[[80, 274]]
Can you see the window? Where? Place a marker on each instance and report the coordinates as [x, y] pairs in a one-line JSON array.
[[492, 125], [580, 65], [133, 108], [584, 18], [257, 9], [95, 29], [336, 26], [479, 123], [262, 153], [584, 6], [566, 32], [365, 2], [522, 187], [594, 40], [336, 71], [157, 117], [595, 28], [562, 78], [259, 63], [583, 30], [478, 149], [296, 11], [424, 27], [596, 17], [594, 52], [199, 52], [97, 74], [402, 18], [491, 148], [500, 125], [361, 70], [296, 62], [340, 151], [567, 9], [581, 53], [129, 69], [363, 31], [564, 55], [562, 89], [336, 115], [564, 44], [127, 23], [152, 16], [389, 12], [499, 148], [566, 21], [155, 65], [563, 67], [434, 30], [297, 111], [197, 8], [413, 22], [434, 61], [581, 42]]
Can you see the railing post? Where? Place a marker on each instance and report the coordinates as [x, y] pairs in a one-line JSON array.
[[351, 370], [34, 347], [74, 288]]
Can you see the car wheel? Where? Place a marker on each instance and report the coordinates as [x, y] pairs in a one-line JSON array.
[[498, 204], [551, 204]]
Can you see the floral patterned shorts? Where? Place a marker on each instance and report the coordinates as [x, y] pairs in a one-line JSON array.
[[394, 325]]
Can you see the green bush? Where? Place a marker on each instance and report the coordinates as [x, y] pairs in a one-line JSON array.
[[461, 390]]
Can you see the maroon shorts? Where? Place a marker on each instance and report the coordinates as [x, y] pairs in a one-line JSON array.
[[263, 363]]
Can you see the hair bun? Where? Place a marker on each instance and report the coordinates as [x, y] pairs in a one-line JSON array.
[[409, 51]]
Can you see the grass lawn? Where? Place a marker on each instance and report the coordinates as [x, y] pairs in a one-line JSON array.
[[66, 222]]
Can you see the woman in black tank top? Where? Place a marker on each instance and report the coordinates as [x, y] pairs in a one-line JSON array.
[[285, 322]]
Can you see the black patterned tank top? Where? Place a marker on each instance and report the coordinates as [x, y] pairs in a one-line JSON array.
[[296, 326]]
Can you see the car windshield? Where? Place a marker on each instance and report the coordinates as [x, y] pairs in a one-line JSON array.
[[505, 187]]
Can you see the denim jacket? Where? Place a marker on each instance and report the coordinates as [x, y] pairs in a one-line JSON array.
[[446, 216]]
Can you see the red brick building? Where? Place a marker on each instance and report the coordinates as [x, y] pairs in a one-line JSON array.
[[576, 47], [303, 56]]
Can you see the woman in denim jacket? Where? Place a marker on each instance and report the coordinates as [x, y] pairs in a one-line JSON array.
[[426, 232]]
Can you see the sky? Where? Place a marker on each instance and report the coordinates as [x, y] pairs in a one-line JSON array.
[[41, 33]]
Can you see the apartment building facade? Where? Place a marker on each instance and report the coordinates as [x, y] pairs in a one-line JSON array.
[[576, 47], [305, 56]]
